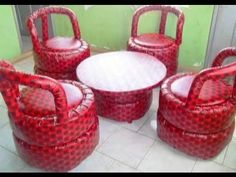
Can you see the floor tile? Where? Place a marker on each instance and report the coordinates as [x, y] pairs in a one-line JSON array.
[[106, 129], [95, 162], [150, 127], [25, 65], [2, 102], [210, 166], [7, 140], [4, 119], [9, 161], [230, 158], [162, 158], [30, 169], [220, 158], [127, 147], [135, 125], [234, 135], [119, 167]]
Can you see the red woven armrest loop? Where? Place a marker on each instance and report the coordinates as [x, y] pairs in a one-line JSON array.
[[14, 78], [217, 72], [165, 9], [43, 14]]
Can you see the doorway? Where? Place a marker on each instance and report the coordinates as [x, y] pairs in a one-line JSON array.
[[22, 13], [222, 33]]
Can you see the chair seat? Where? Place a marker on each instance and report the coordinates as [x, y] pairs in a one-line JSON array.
[[62, 43], [39, 102], [212, 92], [154, 40]]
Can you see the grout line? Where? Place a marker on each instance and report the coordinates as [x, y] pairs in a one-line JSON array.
[[109, 137], [113, 162], [5, 147], [117, 160], [125, 127], [149, 117], [224, 165], [228, 167], [12, 152], [145, 155], [118, 129], [225, 154], [140, 133], [194, 166]]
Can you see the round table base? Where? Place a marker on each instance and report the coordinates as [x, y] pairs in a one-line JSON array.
[[123, 111]]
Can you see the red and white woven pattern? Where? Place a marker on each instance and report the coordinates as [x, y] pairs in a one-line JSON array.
[[55, 118], [197, 110], [58, 76], [57, 57], [119, 107], [63, 157], [204, 146], [161, 46]]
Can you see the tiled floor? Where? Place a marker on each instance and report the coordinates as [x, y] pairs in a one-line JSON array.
[[123, 147]]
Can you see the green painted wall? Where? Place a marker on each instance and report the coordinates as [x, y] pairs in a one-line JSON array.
[[109, 26], [9, 41]]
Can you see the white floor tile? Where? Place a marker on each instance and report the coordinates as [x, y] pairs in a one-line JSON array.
[[25, 65], [2, 102], [209, 166], [127, 147], [9, 161], [119, 167], [106, 129], [7, 141], [135, 125], [234, 135], [95, 162], [30, 169], [220, 158], [162, 158], [3, 116], [150, 127], [230, 158]]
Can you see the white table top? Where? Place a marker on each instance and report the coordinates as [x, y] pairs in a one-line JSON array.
[[121, 71]]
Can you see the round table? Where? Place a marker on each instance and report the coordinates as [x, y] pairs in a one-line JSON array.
[[122, 82]]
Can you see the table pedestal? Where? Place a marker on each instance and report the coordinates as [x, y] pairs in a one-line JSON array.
[[123, 106]]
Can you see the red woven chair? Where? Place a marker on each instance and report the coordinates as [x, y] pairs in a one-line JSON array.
[[57, 57], [163, 47], [196, 111], [54, 123]]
